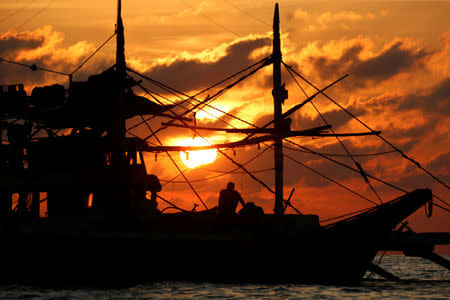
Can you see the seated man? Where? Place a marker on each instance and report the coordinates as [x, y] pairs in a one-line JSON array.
[[228, 201]]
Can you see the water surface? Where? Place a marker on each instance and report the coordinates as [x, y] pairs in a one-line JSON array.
[[422, 279]]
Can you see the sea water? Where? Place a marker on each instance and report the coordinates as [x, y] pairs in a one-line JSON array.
[[421, 279]]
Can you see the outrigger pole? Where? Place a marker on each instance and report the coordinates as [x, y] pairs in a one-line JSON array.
[[279, 95]]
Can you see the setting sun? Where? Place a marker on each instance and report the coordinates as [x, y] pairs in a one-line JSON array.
[[193, 159]]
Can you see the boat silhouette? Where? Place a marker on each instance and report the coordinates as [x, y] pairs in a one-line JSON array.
[[101, 226]]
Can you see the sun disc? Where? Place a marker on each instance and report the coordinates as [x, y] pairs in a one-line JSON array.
[[193, 159]]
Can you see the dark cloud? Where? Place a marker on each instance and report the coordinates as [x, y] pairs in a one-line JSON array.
[[190, 74], [441, 164], [434, 101], [390, 62], [12, 43]]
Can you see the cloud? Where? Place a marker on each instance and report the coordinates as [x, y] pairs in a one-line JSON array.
[[328, 20], [396, 58], [190, 72], [433, 101], [13, 42], [441, 164], [43, 47]]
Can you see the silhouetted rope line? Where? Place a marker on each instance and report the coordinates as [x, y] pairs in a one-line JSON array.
[[211, 20], [150, 93], [95, 52], [178, 168], [262, 63], [36, 14], [17, 11], [228, 157], [365, 125], [220, 175], [33, 67], [227, 172], [209, 99], [444, 202], [221, 152], [237, 172], [362, 173], [256, 18], [174, 91], [345, 215], [355, 170], [329, 178], [166, 182], [321, 174], [170, 203], [247, 13], [446, 209], [307, 167]]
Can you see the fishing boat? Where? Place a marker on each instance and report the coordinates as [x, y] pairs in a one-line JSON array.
[[100, 225]]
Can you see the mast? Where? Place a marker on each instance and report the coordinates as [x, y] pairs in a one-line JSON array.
[[279, 95], [120, 39], [118, 123]]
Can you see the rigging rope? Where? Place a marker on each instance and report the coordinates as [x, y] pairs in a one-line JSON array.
[[236, 172], [95, 52], [365, 125], [357, 164], [355, 170], [345, 215], [149, 92], [296, 161], [152, 92], [216, 176], [446, 209], [34, 67], [170, 203], [329, 178], [221, 152], [36, 14], [176, 165], [310, 152], [17, 11], [208, 88], [263, 63], [256, 18], [173, 178], [211, 20], [228, 172]]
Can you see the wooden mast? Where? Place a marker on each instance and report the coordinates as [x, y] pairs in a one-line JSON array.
[[120, 38], [118, 122], [279, 94]]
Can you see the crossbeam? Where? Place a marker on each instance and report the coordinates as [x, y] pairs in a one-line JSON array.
[[315, 132], [242, 130]]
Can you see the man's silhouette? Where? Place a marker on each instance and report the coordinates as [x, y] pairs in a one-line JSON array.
[[228, 200]]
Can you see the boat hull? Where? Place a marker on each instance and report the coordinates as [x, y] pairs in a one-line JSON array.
[[267, 248]]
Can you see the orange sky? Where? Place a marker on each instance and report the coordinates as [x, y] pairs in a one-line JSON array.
[[396, 52]]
